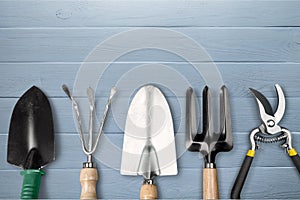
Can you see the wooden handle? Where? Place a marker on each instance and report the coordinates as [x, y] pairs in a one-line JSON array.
[[148, 191], [88, 180], [210, 183]]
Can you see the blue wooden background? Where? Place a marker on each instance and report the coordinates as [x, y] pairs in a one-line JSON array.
[[253, 43]]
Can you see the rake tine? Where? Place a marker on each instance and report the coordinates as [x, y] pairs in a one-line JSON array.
[[113, 91], [225, 117], [90, 94], [77, 114], [208, 122]]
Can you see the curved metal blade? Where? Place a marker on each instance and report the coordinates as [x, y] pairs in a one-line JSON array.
[[31, 134], [265, 108], [149, 121], [281, 103]]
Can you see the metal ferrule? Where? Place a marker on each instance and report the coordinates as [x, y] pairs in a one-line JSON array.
[[210, 165], [89, 165], [148, 181]]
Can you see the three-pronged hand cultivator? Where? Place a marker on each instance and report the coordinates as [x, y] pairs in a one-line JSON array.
[[209, 143], [89, 174]]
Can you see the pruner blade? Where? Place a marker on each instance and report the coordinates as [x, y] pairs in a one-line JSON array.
[[281, 103], [270, 118], [264, 105]]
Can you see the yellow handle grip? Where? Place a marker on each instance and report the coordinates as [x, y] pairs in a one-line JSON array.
[[148, 191], [88, 180], [210, 183]]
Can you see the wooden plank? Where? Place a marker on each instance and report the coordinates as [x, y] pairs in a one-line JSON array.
[[119, 13], [238, 77], [267, 183], [69, 154], [244, 114], [44, 42], [222, 44]]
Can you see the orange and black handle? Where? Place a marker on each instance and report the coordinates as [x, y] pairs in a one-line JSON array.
[[241, 178], [295, 158]]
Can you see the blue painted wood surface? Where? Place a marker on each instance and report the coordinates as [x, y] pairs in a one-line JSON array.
[[238, 44], [253, 44], [134, 13]]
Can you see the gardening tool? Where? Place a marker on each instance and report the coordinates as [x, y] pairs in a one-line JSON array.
[[89, 174], [149, 145], [268, 132], [209, 143], [31, 139]]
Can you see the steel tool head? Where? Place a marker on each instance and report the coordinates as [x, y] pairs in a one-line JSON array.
[[89, 148], [149, 145], [209, 142], [31, 134], [269, 118]]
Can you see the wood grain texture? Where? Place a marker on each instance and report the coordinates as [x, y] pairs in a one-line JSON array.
[[136, 13], [69, 154], [253, 43], [244, 113], [186, 185], [237, 76], [222, 44], [148, 191], [88, 180], [210, 183]]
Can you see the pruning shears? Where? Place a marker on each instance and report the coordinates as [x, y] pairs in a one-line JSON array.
[[268, 132]]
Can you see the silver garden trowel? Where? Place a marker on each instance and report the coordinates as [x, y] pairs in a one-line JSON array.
[[149, 145]]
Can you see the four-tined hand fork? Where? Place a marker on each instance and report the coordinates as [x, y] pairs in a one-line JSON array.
[[268, 132]]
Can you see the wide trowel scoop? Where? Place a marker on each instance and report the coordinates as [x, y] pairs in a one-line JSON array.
[[149, 145], [31, 139]]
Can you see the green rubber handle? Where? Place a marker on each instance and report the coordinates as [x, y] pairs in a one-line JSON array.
[[31, 183]]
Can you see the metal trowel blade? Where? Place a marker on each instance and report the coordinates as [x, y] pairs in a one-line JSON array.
[[31, 134], [149, 144]]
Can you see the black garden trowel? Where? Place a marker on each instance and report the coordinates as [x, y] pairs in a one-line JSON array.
[[31, 139]]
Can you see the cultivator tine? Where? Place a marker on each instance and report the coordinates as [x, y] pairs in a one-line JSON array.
[[225, 118], [209, 141], [191, 117], [208, 122]]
